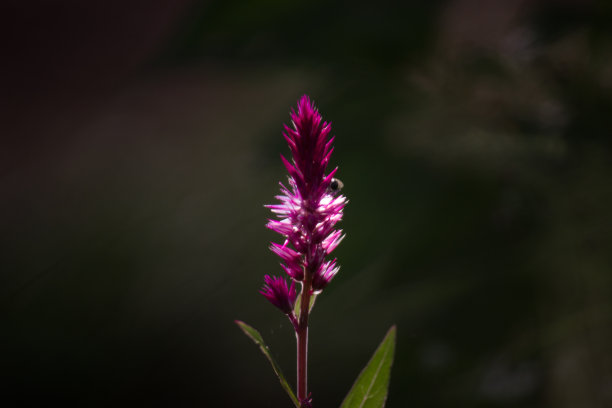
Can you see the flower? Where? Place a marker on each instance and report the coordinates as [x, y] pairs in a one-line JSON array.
[[275, 289], [309, 209]]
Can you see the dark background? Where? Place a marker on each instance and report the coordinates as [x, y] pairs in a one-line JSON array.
[[140, 141]]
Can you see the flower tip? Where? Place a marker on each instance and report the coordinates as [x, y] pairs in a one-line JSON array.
[[306, 106], [304, 100]]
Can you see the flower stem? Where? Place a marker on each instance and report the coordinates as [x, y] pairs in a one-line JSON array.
[[302, 342]]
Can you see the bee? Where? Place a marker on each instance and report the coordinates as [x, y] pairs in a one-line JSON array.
[[335, 185]]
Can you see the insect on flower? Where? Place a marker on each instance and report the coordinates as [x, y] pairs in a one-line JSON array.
[[335, 185]]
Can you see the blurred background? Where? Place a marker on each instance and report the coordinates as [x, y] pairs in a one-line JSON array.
[[140, 141]]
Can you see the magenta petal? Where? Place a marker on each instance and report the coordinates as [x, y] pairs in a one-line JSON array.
[[280, 227], [296, 272], [331, 242], [287, 254]]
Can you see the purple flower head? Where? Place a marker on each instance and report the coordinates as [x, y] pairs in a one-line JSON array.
[[309, 208], [328, 271], [275, 289]]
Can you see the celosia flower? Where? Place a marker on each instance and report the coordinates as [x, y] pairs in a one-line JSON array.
[[309, 209], [275, 289]]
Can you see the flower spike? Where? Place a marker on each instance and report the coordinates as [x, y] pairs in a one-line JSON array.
[[308, 209]]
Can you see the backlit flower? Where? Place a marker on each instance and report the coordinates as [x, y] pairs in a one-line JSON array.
[[308, 208]]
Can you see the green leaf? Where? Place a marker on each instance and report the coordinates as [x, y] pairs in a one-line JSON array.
[[298, 304], [297, 307], [254, 335], [371, 387], [312, 301]]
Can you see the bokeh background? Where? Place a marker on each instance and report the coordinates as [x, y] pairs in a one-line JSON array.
[[140, 141]]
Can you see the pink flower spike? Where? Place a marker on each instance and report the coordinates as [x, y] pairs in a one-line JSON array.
[[307, 209], [275, 289]]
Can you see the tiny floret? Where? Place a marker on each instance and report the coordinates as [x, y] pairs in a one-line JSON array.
[[275, 289]]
